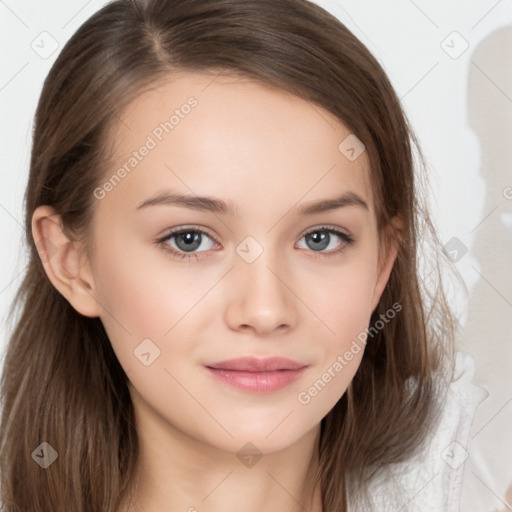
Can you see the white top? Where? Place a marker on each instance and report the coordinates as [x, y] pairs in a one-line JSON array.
[[431, 481]]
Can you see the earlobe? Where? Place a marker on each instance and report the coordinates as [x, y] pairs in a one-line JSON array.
[[63, 261]]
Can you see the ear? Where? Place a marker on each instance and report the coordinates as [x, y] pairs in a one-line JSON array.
[[64, 262], [388, 251]]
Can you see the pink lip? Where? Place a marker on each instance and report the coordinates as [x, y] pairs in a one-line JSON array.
[[259, 375]]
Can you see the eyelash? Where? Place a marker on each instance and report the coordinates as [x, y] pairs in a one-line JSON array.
[[347, 239]]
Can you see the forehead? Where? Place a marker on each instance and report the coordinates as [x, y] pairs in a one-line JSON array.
[[234, 138]]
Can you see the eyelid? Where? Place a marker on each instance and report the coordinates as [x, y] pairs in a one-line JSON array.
[[326, 227], [186, 228], [203, 230]]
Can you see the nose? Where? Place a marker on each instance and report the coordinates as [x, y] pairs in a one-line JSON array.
[[261, 298]]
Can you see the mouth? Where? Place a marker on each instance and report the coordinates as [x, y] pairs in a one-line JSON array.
[[257, 375]]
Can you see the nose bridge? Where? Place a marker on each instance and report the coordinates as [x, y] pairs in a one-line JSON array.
[[261, 298]]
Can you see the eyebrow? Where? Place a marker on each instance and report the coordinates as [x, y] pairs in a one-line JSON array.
[[214, 205]]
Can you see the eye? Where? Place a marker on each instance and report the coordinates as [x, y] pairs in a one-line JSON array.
[[325, 237], [185, 242]]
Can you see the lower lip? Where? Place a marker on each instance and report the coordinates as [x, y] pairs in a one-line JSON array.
[[259, 382]]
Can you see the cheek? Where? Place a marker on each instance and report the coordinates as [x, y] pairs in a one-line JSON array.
[[344, 310], [145, 296], [341, 302], [341, 296]]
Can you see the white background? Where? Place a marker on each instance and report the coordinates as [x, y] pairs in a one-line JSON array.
[[461, 109]]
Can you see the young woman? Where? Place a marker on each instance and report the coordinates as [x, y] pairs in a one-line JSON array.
[[225, 307]]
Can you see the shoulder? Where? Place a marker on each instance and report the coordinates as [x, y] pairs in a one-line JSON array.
[[431, 481]]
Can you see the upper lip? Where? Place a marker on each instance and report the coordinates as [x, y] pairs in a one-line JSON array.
[[254, 364]]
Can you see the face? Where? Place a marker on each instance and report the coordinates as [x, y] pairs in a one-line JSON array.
[[257, 268]]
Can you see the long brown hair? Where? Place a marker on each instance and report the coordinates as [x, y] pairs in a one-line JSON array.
[[62, 383]]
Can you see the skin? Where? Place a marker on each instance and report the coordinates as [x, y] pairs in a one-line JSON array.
[[269, 153]]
